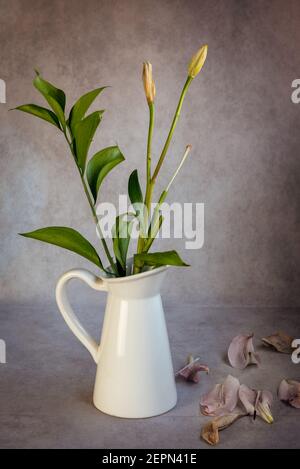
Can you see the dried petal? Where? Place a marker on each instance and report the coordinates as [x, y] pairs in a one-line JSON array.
[[241, 352], [247, 397], [190, 372], [210, 431], [280, 341], [263, 406], [222, 399], [289, 391], [256, 402]]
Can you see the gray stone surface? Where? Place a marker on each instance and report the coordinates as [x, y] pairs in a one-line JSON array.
[[238, 116], [46, 385]]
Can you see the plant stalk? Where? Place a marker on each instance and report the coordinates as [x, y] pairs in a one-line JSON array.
[[155, 223], [149, 189], [94, 214], [104, 244], [149, 142], [173, 126], [151, 181]]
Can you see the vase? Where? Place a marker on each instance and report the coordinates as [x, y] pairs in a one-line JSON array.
[[135, 377]]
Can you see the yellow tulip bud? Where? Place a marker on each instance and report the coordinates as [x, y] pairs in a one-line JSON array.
[[148, 82], [197, 61]]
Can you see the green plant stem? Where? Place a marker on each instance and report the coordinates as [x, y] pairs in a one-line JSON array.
[[156, 223], [94, 214], [151, 182], [173, 126], [148, 194], [104, 244], [149, 142], [154, 228]]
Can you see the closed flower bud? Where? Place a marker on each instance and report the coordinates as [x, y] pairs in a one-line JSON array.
[[148, 82], [197, 62]]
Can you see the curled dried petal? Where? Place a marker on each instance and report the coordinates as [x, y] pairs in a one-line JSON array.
[[241, 352], [247, 397], [190, 372], [210, 431], [289, 391], [263, 406], [280, 341], [222, 399], [256, 402]]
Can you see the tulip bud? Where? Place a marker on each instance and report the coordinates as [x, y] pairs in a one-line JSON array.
[[197, 62], [148, 82]]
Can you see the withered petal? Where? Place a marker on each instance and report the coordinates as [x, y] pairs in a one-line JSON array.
[[289, 391], [247, 397], [241, 352], [256, 402], [222, 399], [210, 402], [210, 431], [190, 372], [279, 341]]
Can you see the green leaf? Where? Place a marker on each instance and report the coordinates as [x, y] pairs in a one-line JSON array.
[[121, 238], [40, 112], [81, 106], [55, 97], [58, 111], [159, 258], [66, 238], [100, 165], [134, 188], [83, 135], [47, 89]]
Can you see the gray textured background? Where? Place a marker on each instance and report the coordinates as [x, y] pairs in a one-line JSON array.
[[238, 115]]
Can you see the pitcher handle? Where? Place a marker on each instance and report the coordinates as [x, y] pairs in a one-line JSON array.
[[66, 309]]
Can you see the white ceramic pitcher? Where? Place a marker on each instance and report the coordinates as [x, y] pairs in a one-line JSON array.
[[135, 377]]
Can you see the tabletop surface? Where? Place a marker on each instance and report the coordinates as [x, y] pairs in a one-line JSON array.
[[46, 385]]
